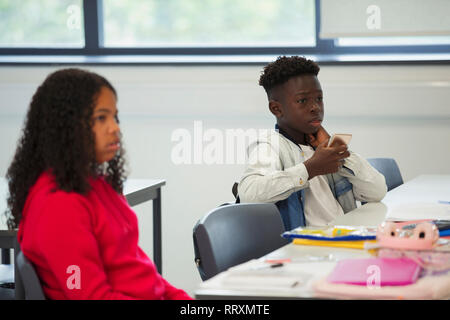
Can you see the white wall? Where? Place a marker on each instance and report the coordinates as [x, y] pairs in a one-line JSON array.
[[392, 111]]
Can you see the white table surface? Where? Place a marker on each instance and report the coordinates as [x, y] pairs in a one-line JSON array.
[[133, 185], [416, 199]]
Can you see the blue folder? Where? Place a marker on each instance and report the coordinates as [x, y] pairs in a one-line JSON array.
[[293, 235]]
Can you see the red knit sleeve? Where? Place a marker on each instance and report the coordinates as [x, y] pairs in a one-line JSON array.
[[70, 250], [173, 293]]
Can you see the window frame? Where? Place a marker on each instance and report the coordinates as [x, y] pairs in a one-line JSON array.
[[325, 51]]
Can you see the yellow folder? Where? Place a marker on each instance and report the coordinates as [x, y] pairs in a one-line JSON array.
[[358, 244]]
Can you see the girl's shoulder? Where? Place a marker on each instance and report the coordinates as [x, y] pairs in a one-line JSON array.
[[47, 190]]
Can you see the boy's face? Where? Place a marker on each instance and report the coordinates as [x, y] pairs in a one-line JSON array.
[[298, 104]]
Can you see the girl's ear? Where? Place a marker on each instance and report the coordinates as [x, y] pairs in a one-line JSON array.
[[275, 108]]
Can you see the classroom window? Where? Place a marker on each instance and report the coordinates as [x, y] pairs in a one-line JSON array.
[[221, 31], [209, 23], [42, 23]]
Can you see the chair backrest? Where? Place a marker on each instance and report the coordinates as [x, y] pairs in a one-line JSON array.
[[30, 281], [234, 191], [389, 168], [236, 233]]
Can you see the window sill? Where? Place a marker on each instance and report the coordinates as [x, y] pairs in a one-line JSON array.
[[367, 59]]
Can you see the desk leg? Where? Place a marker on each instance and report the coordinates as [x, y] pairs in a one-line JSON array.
[[6, 257], [157, 255]]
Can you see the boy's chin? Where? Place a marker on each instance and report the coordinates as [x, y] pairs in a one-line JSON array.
[[311, 130]]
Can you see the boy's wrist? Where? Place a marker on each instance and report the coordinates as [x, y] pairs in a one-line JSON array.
[[309, 165]]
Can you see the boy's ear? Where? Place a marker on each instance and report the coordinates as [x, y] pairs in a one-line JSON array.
[[275, 108]]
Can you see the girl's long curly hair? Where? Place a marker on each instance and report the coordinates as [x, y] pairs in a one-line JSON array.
[[57, 136]]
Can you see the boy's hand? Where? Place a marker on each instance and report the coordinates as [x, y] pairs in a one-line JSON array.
[[326, 159], [314, 139]]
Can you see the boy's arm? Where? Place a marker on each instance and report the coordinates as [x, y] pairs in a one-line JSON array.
[[368, 184], [264, 179]]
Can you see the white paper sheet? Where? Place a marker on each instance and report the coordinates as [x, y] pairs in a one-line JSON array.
[[419, 211]]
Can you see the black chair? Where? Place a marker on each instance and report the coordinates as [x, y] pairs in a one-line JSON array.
[[31, 285], [389, 168], [233, 234]]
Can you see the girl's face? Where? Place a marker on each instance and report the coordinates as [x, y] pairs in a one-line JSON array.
[[106, 126]]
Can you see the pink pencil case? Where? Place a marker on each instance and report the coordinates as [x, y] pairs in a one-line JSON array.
[[374, 272]]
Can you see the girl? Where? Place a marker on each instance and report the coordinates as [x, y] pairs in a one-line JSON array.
[[65, 185]]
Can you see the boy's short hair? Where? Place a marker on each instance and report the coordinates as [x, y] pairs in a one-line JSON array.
[[284, 68]]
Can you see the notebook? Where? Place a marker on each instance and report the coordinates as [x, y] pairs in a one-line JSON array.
[[375, 272]]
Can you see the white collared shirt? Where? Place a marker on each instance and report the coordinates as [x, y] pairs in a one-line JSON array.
[[276, 170], [320, 206]]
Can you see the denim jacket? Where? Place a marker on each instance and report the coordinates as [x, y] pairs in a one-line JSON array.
[[291, 209]]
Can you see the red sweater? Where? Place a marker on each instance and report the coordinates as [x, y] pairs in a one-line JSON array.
[[86, 247]]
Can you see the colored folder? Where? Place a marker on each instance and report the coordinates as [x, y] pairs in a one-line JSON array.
[[355, 244], [336, 233], [375, 272]]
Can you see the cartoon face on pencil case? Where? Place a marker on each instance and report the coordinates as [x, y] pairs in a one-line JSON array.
[[423, 237]]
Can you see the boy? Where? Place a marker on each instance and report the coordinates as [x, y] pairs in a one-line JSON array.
[[310, 182]]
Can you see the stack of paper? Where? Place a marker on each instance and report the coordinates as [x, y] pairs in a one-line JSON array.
[[260, 275], [419, 211]]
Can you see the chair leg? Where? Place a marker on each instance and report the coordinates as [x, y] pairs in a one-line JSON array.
[[6, 256]]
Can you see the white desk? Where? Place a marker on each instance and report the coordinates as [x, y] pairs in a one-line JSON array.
[[136, 191], [425, 189], [417, 199], [141, 190]]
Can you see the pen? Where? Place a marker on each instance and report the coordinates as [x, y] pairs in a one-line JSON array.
[[268, 266], [306, 258], [443, 202]]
